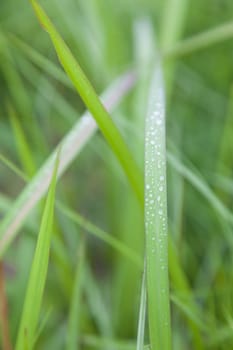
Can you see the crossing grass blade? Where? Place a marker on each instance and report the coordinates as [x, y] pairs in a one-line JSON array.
[[156, 217], [72, 144], [90, 98], [35, 288]]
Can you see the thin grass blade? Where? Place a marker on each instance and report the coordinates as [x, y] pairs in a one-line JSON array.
[[115, 243], [142, 314], [72, 145], [91, 100], [156, 217], [73, 333], [22, 144], [36, 284]]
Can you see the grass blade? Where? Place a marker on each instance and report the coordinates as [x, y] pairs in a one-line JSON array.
[[22, 144], [200, 41], [115, 243], [4, 315], [72, 339], [36, 284], [40, 61], [90, 98], [72, 144], [142, 314], [107, 238], [156, 217]]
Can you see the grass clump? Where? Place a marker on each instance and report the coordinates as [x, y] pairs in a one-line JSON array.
[[129, 261]]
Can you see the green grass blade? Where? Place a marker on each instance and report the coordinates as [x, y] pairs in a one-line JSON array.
[[142, 314], [22, 144], [97, 343], [200, 41], [172, 26], [90, 98], [97, 305], [13, 168], [156, 217], [104, 236], [72, 144], [41, 61], [201, 186], [36, 284], [172, 22], [72, 338], [84, 223]]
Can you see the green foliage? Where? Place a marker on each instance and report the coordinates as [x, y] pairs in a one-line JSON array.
[[92, 256]]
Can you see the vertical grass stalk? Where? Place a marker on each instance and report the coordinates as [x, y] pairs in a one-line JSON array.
[[156, 217], [38, 273]]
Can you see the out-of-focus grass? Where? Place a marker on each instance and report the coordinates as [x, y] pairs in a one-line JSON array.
[[38, 107]]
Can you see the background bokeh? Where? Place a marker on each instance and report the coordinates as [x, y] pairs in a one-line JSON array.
[[104, 37]]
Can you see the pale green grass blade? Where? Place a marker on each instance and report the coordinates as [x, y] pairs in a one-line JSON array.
[[200, 41], [156, 217], [142, 314], [171, 31], [98, 343], [201, 186], [13, 168], [172, 22], [72, 144], [75, 313], [94, 342], [90, 98], [37, 278]]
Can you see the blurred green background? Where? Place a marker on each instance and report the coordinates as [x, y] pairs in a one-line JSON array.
[[103, 35]]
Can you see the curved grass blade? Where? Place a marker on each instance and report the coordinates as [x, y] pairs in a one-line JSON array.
[[36, 284], [91, 100], [72, 144], [156, 217]]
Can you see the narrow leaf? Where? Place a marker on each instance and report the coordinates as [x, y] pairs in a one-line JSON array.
[[90, 98], [36, 284], [156, 217], [72, 144]]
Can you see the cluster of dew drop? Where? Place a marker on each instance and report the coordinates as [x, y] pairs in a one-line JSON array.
[[155, 174]]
